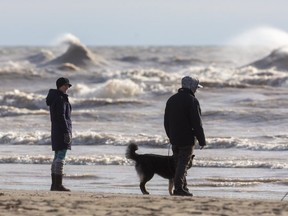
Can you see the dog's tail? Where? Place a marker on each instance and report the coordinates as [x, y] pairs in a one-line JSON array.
[[131, 151]]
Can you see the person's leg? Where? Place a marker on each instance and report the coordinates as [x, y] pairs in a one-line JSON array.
[[53, 165], [175, 150], [182, 157], [57, 170], [59, 161], [185, 187]]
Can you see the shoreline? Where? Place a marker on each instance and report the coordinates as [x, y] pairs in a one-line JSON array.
[[39, 202]]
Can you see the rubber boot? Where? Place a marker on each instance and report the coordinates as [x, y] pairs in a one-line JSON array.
[[53, 182], [58, 183]]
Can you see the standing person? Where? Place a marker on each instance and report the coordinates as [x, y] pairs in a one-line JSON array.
[[182, 122], [61, 130]]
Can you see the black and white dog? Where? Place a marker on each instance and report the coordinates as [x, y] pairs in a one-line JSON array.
[[149, 164]]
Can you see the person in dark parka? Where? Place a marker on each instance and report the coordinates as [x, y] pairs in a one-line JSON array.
[[182, 122], [61, 130]]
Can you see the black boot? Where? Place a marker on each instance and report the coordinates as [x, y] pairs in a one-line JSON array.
[[53, 182], [181, 192], [58, 183]]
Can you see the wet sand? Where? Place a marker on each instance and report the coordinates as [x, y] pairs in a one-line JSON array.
[[20, 202]]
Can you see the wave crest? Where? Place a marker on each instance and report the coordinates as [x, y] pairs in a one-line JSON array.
[[77, 54], [277, 59]]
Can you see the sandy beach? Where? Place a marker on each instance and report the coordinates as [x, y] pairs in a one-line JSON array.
[[20, 202]]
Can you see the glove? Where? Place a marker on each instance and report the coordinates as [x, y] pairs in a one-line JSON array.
[[67, 138]]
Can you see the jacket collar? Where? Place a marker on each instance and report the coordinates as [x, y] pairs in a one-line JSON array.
[[185, 90], [61, 93]]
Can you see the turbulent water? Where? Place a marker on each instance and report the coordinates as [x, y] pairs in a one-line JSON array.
[[118, 97]]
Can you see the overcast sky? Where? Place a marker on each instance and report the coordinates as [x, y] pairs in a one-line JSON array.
[[143, 22]]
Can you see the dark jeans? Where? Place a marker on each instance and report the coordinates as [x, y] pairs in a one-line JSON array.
[[182, 156]]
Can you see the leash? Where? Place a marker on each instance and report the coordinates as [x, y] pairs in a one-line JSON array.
[[284, 196], [169, 149], [168, 161]]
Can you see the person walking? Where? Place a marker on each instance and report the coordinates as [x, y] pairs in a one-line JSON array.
[[61, 130], [182, 122]]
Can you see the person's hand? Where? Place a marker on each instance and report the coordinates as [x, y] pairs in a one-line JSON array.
[[202, 146], [67, 138]]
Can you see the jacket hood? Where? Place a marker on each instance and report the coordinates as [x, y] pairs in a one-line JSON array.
[[51, 97]]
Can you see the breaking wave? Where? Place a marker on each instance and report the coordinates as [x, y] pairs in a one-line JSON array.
[[238, 182], [113, 89], [152, 141], [22, 69], [239, 163], [106, 159], [72, 160], [42, 56], [277, 59], [113, 92], [263, 36], [20, 99], [119, 89], [77, 54]]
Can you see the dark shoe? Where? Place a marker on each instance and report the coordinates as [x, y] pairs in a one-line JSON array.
[[181, 192], [61, 188], [57, 186], [185, 188]]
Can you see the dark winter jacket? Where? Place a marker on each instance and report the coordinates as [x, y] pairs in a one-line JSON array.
[[182, 119], [60, 114]]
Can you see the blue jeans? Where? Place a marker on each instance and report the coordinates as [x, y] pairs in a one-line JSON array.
[[60, 154]]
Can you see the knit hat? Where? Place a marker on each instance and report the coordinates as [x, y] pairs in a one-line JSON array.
[[190, 83], [62, 81]]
